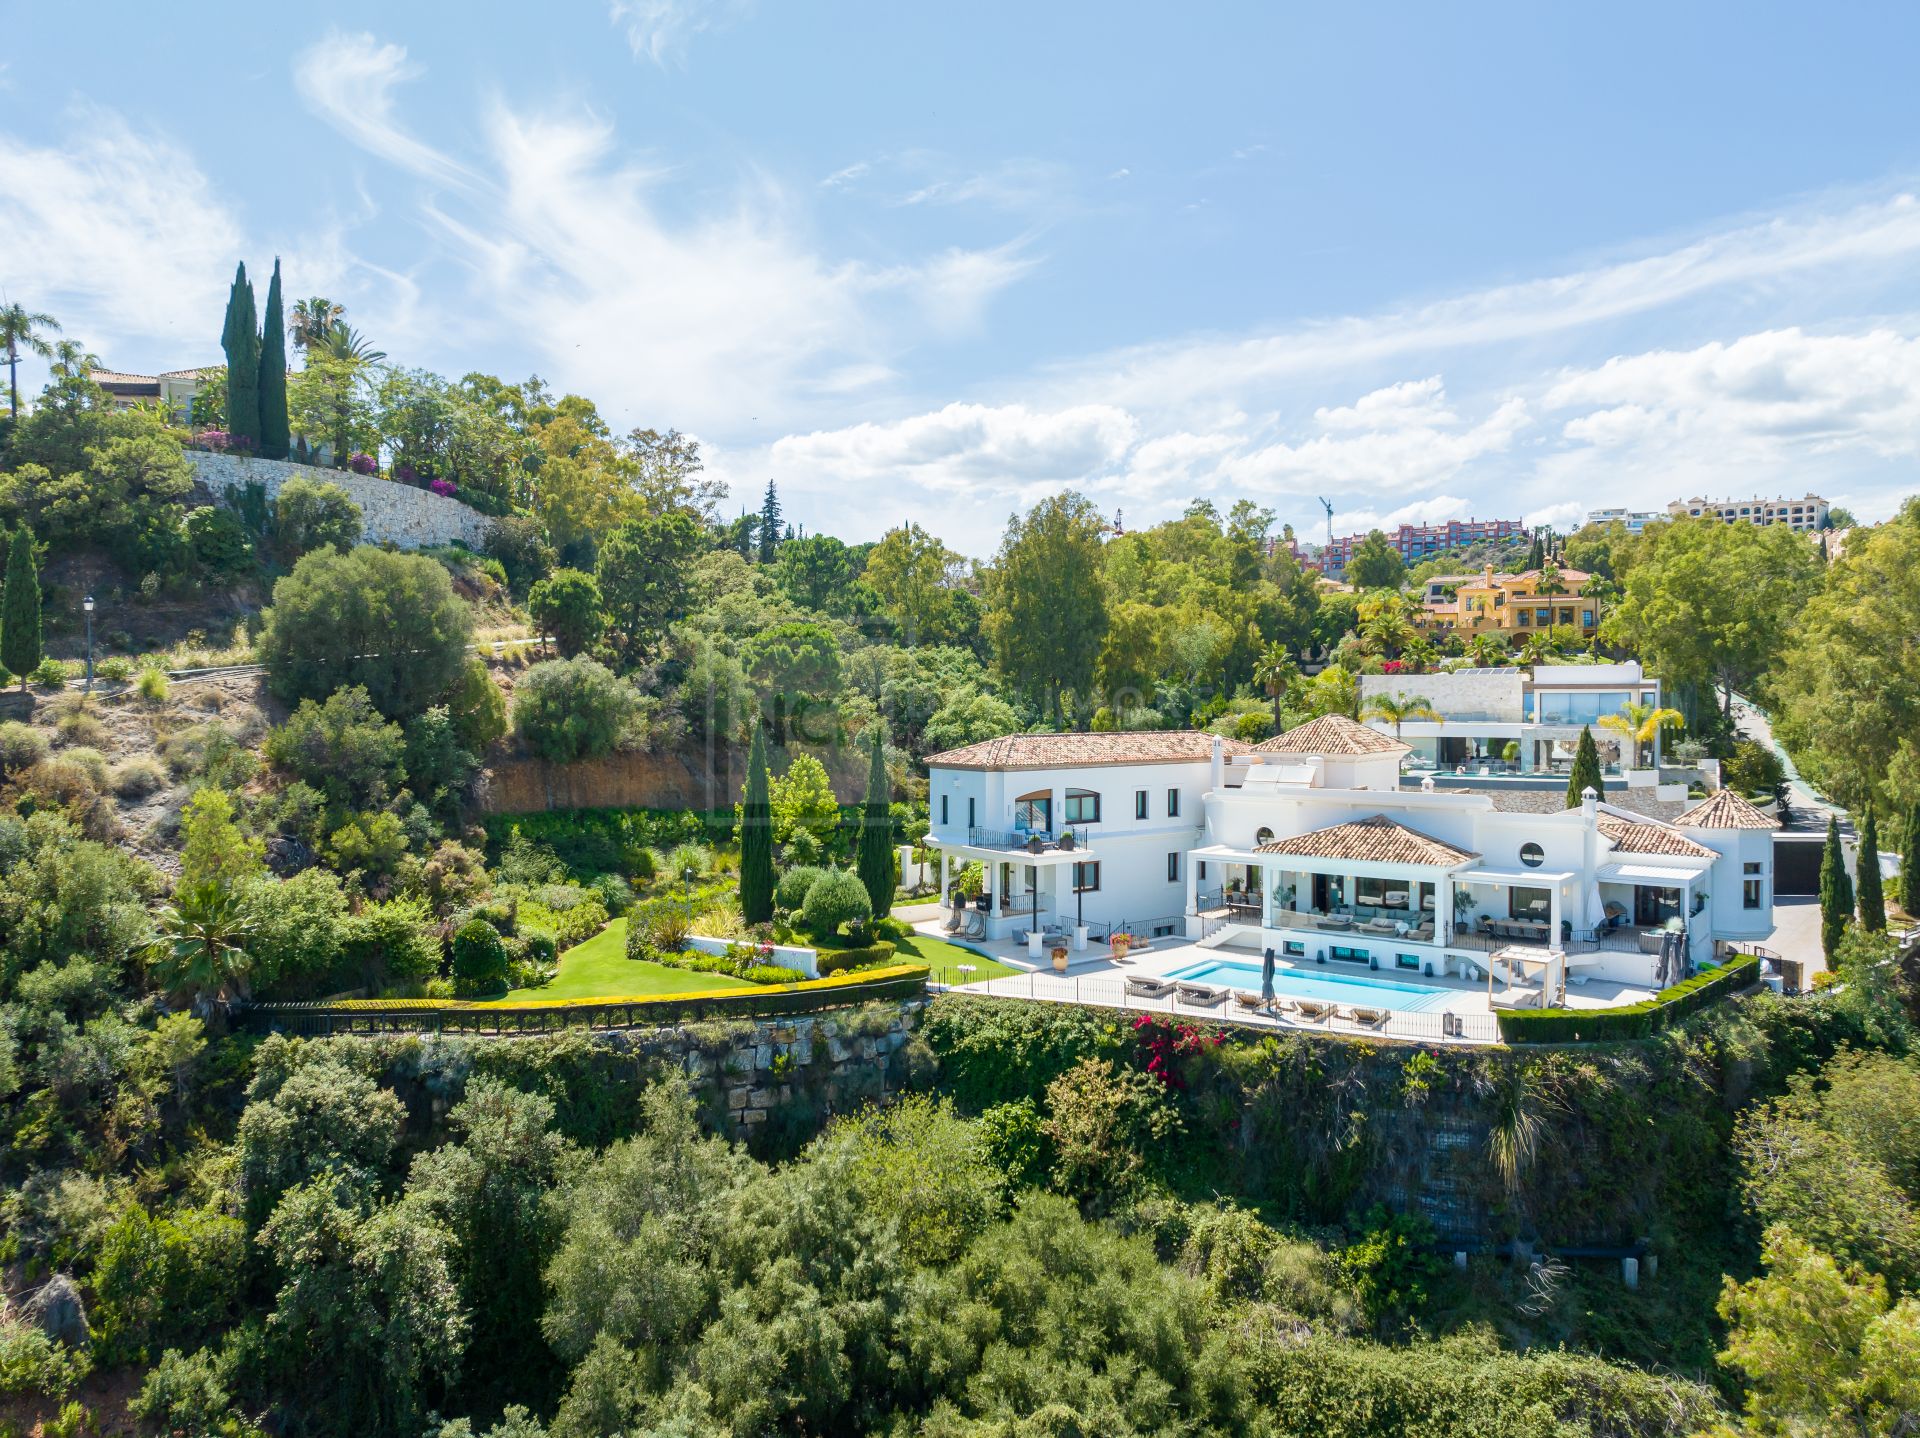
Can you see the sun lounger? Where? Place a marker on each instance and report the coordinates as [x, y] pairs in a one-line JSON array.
[[1372, 1018], [1199, 995], [1314, 1012], [1245, 1000], [1139, 988]]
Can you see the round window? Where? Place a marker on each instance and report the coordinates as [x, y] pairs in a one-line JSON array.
[[1265, 836], [1532, 855]]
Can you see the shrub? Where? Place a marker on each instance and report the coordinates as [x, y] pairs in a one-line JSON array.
[[580, 923], [138, 777], [836, 899], [152, 685], [479, 959], [80, 726], [566, 710], [791, 892], [566, 606], [1390, 1266], [836, 961], [660, 925], [114, 669], [21, 746], [343, 748], [49, 674], [1629, 1021], [771, 974]]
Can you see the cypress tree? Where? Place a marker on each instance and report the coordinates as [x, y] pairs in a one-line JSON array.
[[242, 344], [1910, 864], [756, 837], [876, 832], [20, 608], [276, 434], [769, 525], [1873, 901], [1836, 891], [1586, 769]]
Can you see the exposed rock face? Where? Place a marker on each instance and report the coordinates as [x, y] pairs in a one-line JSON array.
[[390, 513], [57, 1311]]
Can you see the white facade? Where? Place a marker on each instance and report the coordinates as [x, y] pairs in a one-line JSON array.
[[1806, 514], [1323, 857], [1517, 720], [1636, 520]]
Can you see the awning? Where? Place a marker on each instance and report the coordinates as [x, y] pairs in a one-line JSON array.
[[1647, 874], [1513, 878]]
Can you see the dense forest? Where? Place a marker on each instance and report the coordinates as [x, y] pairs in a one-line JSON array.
[[256, 770]]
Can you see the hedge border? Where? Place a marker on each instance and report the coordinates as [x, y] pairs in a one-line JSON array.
[[647, 1010], [1629, 1021]]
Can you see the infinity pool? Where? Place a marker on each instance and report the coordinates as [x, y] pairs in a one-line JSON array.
[[1321, 986]]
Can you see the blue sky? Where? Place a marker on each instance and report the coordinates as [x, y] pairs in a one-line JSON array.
[[935, 262]]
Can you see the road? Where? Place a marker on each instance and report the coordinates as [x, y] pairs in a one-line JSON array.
[[1808, 803]]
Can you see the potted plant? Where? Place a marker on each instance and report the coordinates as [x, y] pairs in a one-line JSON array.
[[1067, 841], [1035, 844], [1120, 943], [1060, 958]]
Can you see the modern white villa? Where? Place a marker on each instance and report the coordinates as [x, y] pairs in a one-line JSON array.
[[1307, 845], [1517, 720]]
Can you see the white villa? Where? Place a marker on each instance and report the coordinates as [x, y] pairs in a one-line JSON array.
[[1533, 714], [1307, 845]]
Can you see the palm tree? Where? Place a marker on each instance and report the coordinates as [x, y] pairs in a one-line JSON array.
[[347, 343], [1551, 581], [1487, 649], [1535, 649], [1396, 709], [313, 320], [1275, 672], [21, 328], [1640, 724], [69, 359], [202, 955], [1388, 630]]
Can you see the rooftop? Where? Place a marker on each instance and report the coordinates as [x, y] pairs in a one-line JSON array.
[[1651, 837], [1376, 840], [1334, 735], [1725, 809], [1052, 751]]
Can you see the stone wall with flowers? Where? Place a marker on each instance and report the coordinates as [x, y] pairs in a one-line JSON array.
[[390, 513]]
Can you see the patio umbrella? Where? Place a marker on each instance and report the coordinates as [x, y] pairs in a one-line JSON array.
[[1266, 978]]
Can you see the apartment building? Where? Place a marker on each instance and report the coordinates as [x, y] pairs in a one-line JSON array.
[[1418, 542], [1807, 514]]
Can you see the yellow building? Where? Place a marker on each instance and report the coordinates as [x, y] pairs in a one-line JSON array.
[[1509, 604]]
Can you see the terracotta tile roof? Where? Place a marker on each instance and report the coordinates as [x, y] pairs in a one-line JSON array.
[[1632, 838], [1725, 809], [199, 373], [108, 376], [1554, 801], [1573, 578], [1331, 734], [1055, 751], [1377, 840]]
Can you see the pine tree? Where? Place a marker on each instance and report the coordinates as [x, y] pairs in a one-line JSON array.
[[876, 832], [1873, 901], [1836, 891], [769, 525], [1536, 555], [756, 837], [242, 344], [1586, 769], [1910, 864], [20, 608], [275, 432]]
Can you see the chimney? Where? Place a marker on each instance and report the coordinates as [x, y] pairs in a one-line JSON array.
[[1589, 802], [1217, 775]]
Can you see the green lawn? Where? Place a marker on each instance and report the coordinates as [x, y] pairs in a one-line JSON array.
[[943, 958], [600, 969]]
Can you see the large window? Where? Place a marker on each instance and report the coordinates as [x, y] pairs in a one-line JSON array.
[[1083, 806], [1576, 708], [1086, 878], [1034, 812], [1383, 893], [1524, 903], [1753, 887]]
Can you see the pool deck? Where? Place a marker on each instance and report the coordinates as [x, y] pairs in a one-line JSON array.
[[1095, 977]]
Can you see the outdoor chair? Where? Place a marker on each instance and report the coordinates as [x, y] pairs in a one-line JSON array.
[[1199, 995], [1313, 1011], [1141, 988], [1372, 1018], [1248, 1001]]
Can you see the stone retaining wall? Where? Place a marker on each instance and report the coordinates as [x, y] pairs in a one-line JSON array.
[[391, 513]]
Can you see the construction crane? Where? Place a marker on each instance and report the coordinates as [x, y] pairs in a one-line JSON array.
[[1329, 509]]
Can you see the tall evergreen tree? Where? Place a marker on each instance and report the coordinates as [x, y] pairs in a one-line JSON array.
[[1910, 864], [876, 831], [1586, 769], [276, 434], [1873, 900], [1536, 554], [241, 341], [20, 608], [1836, 891], [756, 836], [769, 525]]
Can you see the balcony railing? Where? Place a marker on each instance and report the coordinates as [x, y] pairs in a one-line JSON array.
[[1071, 837], [1386, 925]]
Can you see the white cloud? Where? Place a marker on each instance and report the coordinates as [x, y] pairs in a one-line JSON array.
[[661, 30], [1421, 511], [1017, 184], [955, 287], [846, 175], [1393, 440], [348, 81], [122, 237], [982, 452]]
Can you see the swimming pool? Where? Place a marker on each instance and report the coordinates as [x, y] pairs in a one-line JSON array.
[[1321, 986]]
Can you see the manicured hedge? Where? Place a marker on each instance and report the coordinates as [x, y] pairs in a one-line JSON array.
[[834, 961], [1630, 1021]]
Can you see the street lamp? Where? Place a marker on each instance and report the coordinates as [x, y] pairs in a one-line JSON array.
[[87, 604]]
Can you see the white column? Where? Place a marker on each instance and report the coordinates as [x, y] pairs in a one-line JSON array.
[[1193, 888], [1442, 908], [993, 899], [943, 877], [1553, 914], [1268, 876]]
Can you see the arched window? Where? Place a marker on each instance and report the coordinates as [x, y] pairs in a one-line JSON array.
[[1033, 813], [1083, 806]]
